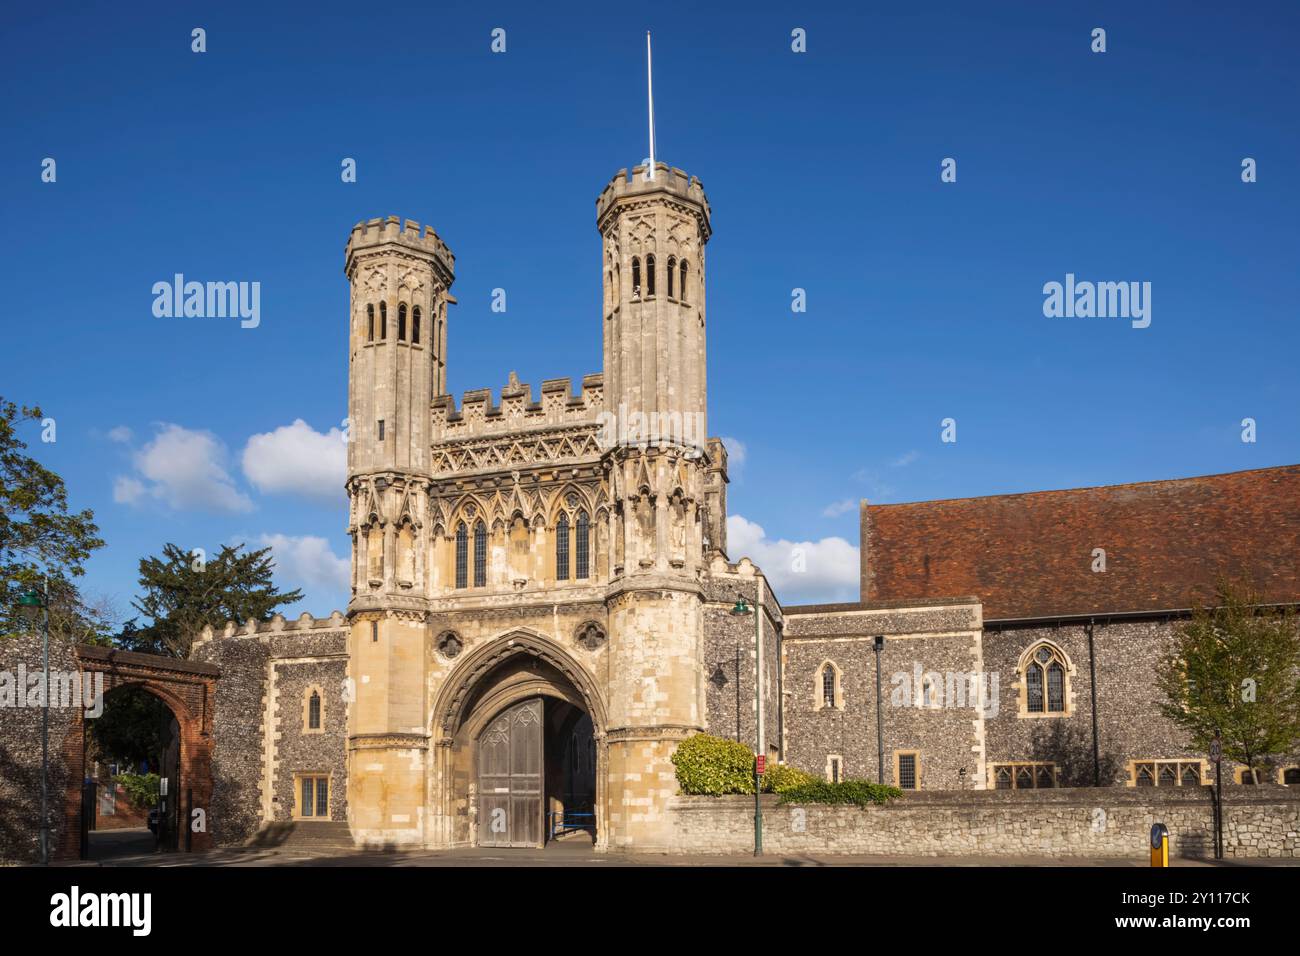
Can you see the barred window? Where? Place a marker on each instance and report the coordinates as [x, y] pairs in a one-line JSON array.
[[370, 323], [650, 276], [401, 322], [462, 556], [313, 712], [480, 555], [383, 320], [582, 547], [834, 769], [415, 326], [1034, 689], [314, 796], [1055, 687], [562, 548], [682, 283], [672, 268], [907, 771], [636, 277]]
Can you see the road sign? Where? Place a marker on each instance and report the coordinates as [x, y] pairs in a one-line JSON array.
[[761, 764], [1216, 750]]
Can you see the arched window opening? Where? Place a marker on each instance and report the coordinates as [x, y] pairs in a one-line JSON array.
[[650, 276], [636, 277], [480, 555], [1046, 673], [462, 556], [401, 322], [828, 686], [562, 548], [672, 268], [682, 282], [415, 326], [383, 321], [313, 711], [370, 323], [583, 548]]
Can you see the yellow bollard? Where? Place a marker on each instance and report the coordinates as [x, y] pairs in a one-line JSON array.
[[1159, 845]]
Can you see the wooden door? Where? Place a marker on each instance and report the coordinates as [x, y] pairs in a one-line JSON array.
[[510, 777]]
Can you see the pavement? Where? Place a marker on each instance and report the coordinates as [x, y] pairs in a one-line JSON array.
[[578, 854]]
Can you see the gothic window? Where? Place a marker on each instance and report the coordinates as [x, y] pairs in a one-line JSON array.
[[582, 548], [1166, 773], [383, 321], [401, 322], [828, 687], [462, 556], [682, 282], [480, 554], [415, 326], [370, 323], [636, 277], [562, 548], [672, 268], [313, 710], [1045, 673], [650, 276]]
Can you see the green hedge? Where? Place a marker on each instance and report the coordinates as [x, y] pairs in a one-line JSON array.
[[713, 766], [141, 789], [781, 778], [859, 792]]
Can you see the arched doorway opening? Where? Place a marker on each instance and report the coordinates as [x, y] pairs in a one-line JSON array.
[[133, 775], [520, 759]]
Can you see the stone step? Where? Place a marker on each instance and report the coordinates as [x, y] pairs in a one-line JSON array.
[[301, 834]]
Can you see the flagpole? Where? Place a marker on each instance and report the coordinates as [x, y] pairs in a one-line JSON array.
[[650, 94]]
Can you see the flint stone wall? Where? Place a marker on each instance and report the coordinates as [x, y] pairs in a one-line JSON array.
[[1085, 822]]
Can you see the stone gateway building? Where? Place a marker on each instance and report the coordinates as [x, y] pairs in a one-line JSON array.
[[543, 604]]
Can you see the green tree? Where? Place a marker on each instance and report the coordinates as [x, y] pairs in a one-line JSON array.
[[40, 540], [183, 593], [1234, 670]]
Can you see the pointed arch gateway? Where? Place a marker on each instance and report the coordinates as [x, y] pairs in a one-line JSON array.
[[520, 728]]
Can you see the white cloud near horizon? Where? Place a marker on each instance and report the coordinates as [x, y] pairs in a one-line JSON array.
[[307, 562], [837, 508], [185, 470], [297, 459], [801, 572]]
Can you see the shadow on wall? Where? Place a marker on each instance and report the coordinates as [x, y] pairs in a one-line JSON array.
[[1070, 748]]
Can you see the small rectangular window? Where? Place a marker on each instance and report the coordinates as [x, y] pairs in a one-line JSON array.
[[374, 630], [381, 429], [835, 770], [907, 772]]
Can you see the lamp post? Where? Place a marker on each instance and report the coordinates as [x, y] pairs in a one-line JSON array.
[[35, 605], [742, 608]]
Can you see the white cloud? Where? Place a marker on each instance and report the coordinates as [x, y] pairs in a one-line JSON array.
[[127, 490], [184, 469], [306, 562], [297, 459], [801, 572], [736, 453], [120, 434], [837, 508], [905, 459]]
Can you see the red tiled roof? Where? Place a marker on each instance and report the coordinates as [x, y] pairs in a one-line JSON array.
[[1031, 555]]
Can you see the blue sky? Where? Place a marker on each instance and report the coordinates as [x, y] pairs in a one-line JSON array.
[[924, 299]]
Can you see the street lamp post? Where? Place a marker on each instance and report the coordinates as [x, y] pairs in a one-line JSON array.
[[36, 604], [742, 608]]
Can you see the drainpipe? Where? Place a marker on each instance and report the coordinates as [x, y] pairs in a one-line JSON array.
[[880, 716], [1092, 686]]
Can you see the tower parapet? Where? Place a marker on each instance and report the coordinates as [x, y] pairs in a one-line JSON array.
[[676, 182], [393, 231], [480, 416]]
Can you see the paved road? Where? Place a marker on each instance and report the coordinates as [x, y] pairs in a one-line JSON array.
[[577, 855]]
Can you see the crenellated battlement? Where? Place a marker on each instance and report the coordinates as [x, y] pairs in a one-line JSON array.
[[479, 415], [676, 182], [279, 624], [393, 231]]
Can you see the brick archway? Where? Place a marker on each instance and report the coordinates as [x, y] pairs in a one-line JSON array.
[[188, 688]]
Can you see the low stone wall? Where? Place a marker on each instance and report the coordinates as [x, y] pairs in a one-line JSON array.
[[1087, 822]]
